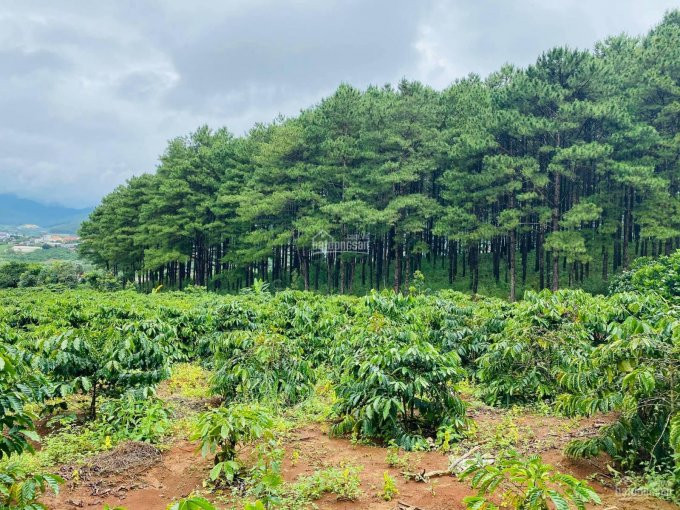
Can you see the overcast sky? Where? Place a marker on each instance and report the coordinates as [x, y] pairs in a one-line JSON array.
[[90, 91]]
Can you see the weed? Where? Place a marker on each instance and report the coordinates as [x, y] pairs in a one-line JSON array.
[[395, 460], [343, 482], [389, 489]]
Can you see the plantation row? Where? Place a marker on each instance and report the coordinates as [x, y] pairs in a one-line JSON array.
[[393, 361]]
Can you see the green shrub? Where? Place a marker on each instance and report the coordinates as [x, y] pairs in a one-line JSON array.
[[661, 275], [30, 277], [221, 430], [635, 373], [22, 491], [525, 484], [18, 387], [10, 274], [543, 334], [102, 280], [60, 272], [103, 362], [261, 365], [395, 385], [133, 418], [465, 326]]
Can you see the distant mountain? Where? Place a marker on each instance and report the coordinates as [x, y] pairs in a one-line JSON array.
[[18, 211]]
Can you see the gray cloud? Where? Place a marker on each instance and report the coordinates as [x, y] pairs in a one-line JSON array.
[[91, 91]]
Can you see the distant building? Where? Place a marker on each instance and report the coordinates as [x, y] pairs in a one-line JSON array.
[[25, 249], [59, 239]]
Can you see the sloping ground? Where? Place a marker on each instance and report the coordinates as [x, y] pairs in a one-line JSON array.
[[151, 482]]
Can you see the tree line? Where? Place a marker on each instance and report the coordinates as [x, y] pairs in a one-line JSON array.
[[563, 168]]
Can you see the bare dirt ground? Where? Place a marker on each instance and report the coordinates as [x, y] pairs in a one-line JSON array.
[[149, 480], [142, 478]]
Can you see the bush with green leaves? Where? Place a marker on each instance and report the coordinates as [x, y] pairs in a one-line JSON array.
[[396, 385], [19, 386], [10, 273], [309, 321], [661, 275], [102, 280], [20, 490], [524, 484], [261, 365], [465, 326], [221, 430], [30, 277], [637, 373], [133, 418], [163, 334], [60, 272], [543, 334], [103, 362]]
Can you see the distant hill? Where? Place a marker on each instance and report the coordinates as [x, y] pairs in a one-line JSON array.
[[18, 211]]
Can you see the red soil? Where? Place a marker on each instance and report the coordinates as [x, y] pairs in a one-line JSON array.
[[181, 470]]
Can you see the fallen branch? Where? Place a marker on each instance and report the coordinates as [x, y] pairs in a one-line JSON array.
[[405, 506], [424, 476], [460, 459]]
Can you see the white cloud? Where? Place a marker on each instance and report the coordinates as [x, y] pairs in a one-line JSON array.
[[92, 91]]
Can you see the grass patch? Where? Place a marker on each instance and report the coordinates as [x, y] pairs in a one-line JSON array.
[[188, 380]]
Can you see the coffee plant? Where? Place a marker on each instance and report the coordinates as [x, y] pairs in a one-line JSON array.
[[261, 365], [396, 385], [130, 417], [544, 333], [660, 275], [524, 484], [106, 362], [18, 387], [20, 490], [635, 373], [221, 430]]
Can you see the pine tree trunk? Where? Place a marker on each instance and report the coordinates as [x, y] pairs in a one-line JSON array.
[[450, 263], [397, 265], [626, 228], [525, 248], [511, 253], [407, 271], [540, 256], [342, 273], [555, 228]]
